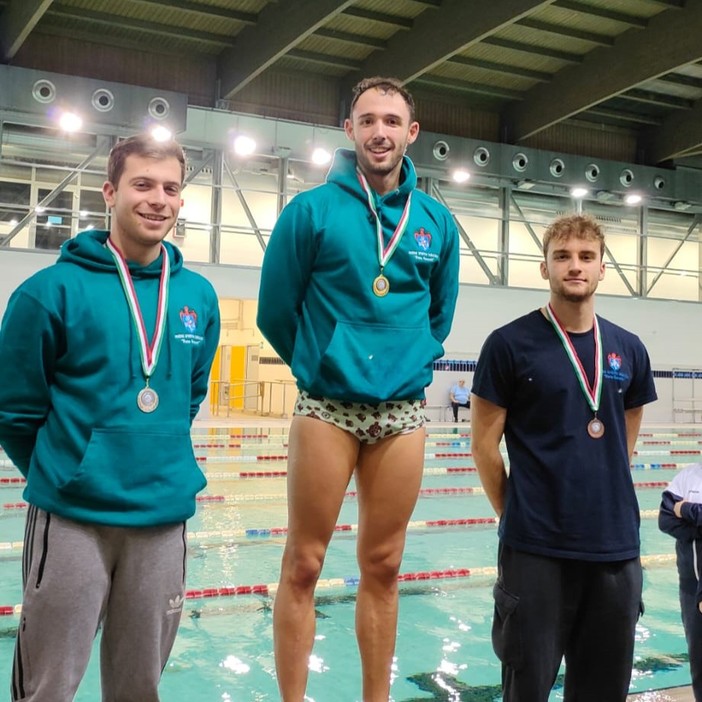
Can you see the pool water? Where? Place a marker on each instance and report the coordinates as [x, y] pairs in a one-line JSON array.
[[224, 648]]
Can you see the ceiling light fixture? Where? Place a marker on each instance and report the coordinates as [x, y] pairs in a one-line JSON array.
[[244, 145], [70, 122], [320, 156], [161, 133]]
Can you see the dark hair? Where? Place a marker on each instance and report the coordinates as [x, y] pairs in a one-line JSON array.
[[579, 226], [142, 145], [384, 85]]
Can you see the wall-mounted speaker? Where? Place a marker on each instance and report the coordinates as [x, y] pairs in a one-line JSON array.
[[44, 91], [103, 100]]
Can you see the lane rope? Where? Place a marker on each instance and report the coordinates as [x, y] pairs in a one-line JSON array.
[[269, 589]]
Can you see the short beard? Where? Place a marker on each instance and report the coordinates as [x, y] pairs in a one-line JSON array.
[[576, 297]]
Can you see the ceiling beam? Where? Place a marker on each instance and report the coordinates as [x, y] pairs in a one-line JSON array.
[[17, 22], [613, 116], [670, 41], [602, 13], [162, 48], [206, 10], [533, 49], [324, 59], [504, 68], [569, 32], [649, 97], [281, 26], [671, 4], [380, 17], [681, 133], [167, 30], [467, 87], [351, 38], [437, 35], [684, 80]]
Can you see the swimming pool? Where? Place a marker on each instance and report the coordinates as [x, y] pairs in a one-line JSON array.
[[224, 648]]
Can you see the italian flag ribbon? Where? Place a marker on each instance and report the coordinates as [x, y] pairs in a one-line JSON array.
[[592, 393], [385, 252], [149, 350]]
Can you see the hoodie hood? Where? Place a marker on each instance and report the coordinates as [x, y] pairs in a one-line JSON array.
[[343, 173], [88, 250]]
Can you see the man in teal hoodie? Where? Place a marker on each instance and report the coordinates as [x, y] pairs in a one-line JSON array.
[[358, 290], [111, 349]]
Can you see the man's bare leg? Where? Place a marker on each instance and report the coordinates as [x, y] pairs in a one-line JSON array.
[[389, 477], [321, 460]]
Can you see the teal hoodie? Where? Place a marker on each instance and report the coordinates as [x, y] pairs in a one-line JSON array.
[[317, 307], [68, 413]]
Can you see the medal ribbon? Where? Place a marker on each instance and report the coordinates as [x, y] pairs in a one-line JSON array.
[[385, 252], [592, 394], [149, 351]]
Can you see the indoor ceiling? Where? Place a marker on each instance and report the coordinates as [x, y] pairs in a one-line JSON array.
[[633, 66]]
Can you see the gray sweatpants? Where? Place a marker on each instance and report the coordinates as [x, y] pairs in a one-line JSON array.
[[79, 576]]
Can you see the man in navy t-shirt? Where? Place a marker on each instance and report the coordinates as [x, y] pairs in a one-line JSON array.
[[566, 389]]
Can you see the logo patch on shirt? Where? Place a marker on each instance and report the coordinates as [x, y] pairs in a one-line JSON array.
[[423, 238], [614, 368], [615, 361], [422, 253], [189, 318]]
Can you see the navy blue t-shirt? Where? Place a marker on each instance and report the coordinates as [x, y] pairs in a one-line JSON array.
[[568, 495]]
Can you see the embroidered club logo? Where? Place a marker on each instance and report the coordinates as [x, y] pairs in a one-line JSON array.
[[189, 319], [615, 361], [423, 238]]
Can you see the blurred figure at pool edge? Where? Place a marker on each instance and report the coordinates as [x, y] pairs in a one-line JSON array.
[[110, 351], [358, 290], [680, 516], [459, 396], [566, 388]]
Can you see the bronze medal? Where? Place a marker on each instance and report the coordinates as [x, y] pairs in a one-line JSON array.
[[381, 286], [595, 428]]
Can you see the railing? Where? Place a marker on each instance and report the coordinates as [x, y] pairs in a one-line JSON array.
[[687, 410], [262, 397]]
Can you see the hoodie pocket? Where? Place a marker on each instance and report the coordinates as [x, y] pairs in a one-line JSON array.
[[123, 470], [377, 363]]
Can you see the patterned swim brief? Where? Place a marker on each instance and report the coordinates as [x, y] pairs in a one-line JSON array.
[[367, 422]]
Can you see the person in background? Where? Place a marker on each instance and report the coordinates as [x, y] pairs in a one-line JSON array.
[[110, 350], [566, 389], [358, 289], [460, 397], [680, 516]]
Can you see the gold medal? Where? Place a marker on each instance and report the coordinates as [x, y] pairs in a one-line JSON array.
[[381, 286], [147, 399], [595, 428]]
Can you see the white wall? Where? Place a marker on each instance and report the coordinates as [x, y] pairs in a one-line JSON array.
[[672, 331]]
